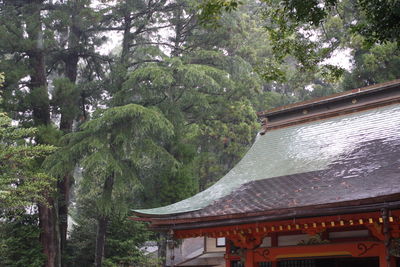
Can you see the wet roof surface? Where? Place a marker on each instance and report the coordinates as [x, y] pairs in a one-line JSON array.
[[344, 158], [374, 172]]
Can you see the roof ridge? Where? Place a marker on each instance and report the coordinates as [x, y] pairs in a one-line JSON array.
[[359, 99], [330, 98]]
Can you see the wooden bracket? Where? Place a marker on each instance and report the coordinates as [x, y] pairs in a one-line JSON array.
[[376, 230], [247, 241], [395, 231]]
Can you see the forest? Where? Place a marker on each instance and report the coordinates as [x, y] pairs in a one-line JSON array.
[[108, 106]]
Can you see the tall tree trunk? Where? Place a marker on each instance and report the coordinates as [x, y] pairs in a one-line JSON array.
[[178, 12], [123, 62], [66, 122], [126, 40], [48, 218], [38, 85], [100, 240], [71, 71], [49, 236], [102, 222], [63, 187]]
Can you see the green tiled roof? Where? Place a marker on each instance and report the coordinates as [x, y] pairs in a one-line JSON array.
[[291, 150]]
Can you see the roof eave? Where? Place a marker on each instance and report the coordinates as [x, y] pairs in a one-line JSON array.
[[358, 206]]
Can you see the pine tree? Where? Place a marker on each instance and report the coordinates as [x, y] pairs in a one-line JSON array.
[[111, 148], [41, 41]]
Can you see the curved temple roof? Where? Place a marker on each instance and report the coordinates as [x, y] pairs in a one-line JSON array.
[[331, 153]]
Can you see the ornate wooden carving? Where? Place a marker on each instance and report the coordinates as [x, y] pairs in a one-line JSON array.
[[247, 241], [264, 253], [314, 240], [365, 248]]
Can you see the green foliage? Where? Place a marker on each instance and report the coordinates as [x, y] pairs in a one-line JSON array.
[[22, 181], [125, 241], [19, 240], [112, 148], [66, 98], [294, 29], [380, 63], [125, 238], [117, 142], [82, 241], [211, 11], [311, 30], [270, 100], [164, 185], [2, 78], [381, 22], [204, 102]]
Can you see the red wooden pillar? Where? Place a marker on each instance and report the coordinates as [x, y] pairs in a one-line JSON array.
[[385, 260], [227, 257], [250, 258], [274, 243], [382, 260]]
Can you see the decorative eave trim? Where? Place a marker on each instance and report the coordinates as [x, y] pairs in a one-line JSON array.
[[365, 205], [310, 225]]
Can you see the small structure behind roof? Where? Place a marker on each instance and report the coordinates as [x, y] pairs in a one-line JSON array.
[[319, 187]]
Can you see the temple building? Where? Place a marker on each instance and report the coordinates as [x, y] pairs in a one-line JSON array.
[[319, 187]]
